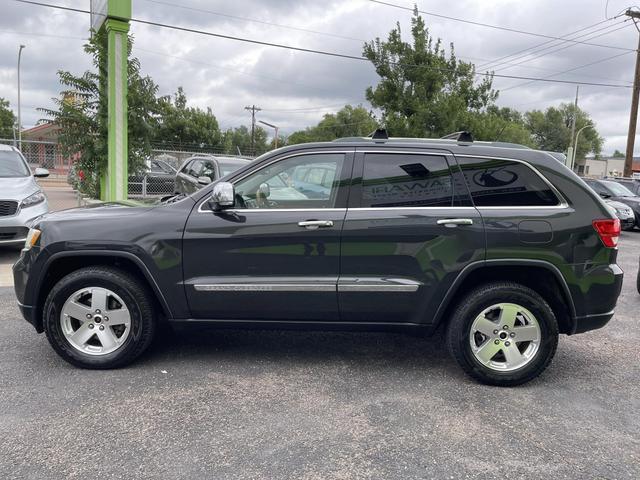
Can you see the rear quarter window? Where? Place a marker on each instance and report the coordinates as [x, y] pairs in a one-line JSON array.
[[505, 183]]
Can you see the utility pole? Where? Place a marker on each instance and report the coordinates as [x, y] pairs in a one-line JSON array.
[[253, 109], [19, 109], [633, 117], [571, 154]]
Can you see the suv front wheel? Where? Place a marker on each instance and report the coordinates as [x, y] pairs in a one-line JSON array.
[[99, 318], [503, 334]]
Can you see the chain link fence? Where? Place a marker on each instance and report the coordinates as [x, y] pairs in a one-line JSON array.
[[156, 181], [43, 154]]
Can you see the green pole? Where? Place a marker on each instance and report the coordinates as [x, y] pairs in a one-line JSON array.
[[114, 182]]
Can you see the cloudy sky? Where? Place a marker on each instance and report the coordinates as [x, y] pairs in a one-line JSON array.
[[295, 89]]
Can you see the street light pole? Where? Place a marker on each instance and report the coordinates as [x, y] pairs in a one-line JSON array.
[[575, 147], [276, 131], [19, 112]]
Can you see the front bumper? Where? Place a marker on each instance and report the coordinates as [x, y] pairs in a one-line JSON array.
[[14, 229]]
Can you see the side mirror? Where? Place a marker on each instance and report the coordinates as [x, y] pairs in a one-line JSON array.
[[204, 180], [41, 173], [223, 196]]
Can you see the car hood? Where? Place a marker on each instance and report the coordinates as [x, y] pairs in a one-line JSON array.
[[631, 201], [17, 188], [99, 211]]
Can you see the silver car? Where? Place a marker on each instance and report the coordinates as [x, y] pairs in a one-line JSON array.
[[21, 198]]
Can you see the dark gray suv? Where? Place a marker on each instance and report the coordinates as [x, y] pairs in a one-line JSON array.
[[504, 248]]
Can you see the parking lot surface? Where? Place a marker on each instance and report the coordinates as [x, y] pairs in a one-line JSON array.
[[234, 404]]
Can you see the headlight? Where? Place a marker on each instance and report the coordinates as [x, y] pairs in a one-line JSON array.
[[32, 238], [33, 199]]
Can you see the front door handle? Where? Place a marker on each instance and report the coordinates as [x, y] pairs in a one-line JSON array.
[[315, 224], [452, 222]]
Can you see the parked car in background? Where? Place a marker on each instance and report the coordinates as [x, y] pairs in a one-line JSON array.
[[632, 184], [503, 247], [624, 213], [199, 171], [21, 198], [610, 190], [157, 178]]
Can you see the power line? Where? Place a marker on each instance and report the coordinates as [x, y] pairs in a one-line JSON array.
[[570, 70], [559, 49], [540, 44], [554, 44], [497, 27], [262, 22], [323, 52]]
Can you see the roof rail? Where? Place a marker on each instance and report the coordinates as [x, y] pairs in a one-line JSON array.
[[380, 134], [462, 136]]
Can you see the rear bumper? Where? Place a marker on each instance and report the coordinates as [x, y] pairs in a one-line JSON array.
[[592, 322], [595, 296]]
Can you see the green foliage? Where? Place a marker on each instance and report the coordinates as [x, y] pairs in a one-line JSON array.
[[82, 115], [7, 119], [618, 154], [238, 141], [551, 130], [180, 125], [421, 92], [348, 122]]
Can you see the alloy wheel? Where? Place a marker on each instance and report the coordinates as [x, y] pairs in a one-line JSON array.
[[505, 337], [95, 321]]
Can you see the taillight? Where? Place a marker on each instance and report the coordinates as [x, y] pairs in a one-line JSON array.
[[609, 231]]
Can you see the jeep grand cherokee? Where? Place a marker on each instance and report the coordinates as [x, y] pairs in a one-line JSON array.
[[503, 247]]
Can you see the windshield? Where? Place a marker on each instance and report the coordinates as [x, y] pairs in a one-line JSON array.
[[12, 165], [230, 167], [618, 190]]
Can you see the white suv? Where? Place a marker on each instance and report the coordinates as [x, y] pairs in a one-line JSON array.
[[21, 198]]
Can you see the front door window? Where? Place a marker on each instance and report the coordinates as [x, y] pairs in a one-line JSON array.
[[304, 181]]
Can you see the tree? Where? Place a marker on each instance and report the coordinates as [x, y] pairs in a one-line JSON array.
[[500, 124], [347, 122], [618, 154], [238, 140], [421, 92], [7, 119], [551, 130], [82, 115], [180, 125]]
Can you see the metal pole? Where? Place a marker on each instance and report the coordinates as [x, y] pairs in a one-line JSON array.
[[573, 128], [19, 109], [575, 148], [275, 127]]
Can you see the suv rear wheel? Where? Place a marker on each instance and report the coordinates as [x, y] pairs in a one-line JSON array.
[[99, 318], [503, 334]]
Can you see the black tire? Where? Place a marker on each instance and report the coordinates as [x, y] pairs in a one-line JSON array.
[[472, 304], [137, 299]]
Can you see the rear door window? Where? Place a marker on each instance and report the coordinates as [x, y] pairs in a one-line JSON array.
[[506, 183], [406, 180]]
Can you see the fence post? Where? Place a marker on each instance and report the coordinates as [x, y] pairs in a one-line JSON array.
[[144, 187]]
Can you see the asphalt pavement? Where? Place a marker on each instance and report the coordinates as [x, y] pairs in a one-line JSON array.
[[263, 405]]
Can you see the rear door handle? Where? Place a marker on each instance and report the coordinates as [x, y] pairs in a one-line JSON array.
[[452, 222], [315, 224]]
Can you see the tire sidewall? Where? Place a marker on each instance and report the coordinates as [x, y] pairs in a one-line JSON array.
[[544, 317], [51, 320]]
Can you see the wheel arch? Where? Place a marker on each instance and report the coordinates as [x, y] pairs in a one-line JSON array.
[[64, 263], [539, 275]]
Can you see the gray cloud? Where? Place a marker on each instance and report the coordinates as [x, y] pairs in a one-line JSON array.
[[227, 75]]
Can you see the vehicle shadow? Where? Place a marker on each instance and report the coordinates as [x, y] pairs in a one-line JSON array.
[[306, 347]]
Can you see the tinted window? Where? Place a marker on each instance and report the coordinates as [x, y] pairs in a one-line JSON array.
[[617, 190], [11, 165], [229, 167], [284, 187], [504, 183], [394, 180]]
